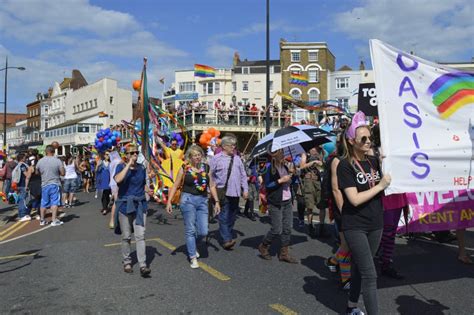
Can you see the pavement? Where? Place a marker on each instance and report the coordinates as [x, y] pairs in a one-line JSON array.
[[76, 269]]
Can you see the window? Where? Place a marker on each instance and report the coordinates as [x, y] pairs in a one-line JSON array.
[[313, 75], [111, 100], [111, 116], [343, 102], [95, 102], [90, 103], [83, 128], [313, 55], [271, 86], [211, 88], [186, 87], [245, 86], [272, 69], [217, 88], [245, 101], [313, 95], [82, 106], [295, 70], [245, 70], [46, 124], [234, 86], [296, 94], [342, 83], [295, 56]]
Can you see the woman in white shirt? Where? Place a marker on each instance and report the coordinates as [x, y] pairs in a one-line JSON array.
[[70, 180]]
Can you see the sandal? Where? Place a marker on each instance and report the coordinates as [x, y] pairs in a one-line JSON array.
[[465, 260], [128, 268]]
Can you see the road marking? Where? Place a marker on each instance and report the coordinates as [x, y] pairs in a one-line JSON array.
[[18, 256], [11, 231], [25, 235], [280, 308], [164, 243], [213, 272], [9, 228]]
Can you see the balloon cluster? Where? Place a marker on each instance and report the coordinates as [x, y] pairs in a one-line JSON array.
[[177, 137], [210, 137], [106, 139]]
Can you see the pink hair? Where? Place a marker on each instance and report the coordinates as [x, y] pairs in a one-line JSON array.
[[357, 121]]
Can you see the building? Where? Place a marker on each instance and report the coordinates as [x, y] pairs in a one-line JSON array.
[[32, 130], [86, 110], [11, 120], [343, 85], [16, 137], [206, 90], [249, 81], [313, 60]]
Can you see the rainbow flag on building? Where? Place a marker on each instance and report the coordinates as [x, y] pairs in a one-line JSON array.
[[298, 79], [204, 71]]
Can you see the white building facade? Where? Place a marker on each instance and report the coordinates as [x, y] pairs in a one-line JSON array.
[[81, 113], [344, 86], [249, 82], [15, 135], [206, 90]]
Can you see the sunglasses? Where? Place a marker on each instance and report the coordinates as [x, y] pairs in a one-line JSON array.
[[132, 152], [364, 139]]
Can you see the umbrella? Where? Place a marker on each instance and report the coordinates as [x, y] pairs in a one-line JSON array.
[[293, 139]]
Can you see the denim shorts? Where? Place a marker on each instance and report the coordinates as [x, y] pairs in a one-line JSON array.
[[50, 196], [70, 185]]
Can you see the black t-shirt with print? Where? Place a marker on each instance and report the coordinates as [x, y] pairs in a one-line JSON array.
[[369, 215]]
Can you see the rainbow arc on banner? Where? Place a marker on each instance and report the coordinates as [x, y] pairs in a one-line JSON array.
[[452, 91], [204, 71], [298, 79]]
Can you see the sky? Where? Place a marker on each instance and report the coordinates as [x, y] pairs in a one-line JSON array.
[[109, 38]]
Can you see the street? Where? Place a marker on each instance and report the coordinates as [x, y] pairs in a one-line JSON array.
[[76, 269]]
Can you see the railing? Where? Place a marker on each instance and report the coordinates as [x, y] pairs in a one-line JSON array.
[[240, 118]]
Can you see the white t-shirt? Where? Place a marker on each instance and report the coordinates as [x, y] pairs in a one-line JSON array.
[[70, 171]]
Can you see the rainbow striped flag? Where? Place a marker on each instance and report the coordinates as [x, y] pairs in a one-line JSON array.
[[298, 79], [204, 71]]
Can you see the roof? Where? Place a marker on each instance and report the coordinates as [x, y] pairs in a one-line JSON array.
[[65, 84], [72, 122], [256, 63], [345, 68]]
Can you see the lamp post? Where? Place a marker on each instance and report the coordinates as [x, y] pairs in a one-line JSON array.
[[5, 101]]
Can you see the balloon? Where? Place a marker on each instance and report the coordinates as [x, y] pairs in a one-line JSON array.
[[117, 139], [208, 137], [217, 134], [113, 138], [212, 131], [101, 139], [136, 84]]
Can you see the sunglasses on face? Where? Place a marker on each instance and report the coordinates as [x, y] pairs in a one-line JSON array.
[[364, 139], [133, 152]]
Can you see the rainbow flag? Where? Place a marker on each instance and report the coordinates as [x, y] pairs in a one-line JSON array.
[[204, 71], [298, 79]]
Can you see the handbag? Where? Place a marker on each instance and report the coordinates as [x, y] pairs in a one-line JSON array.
[[221, 192], [177, 194]]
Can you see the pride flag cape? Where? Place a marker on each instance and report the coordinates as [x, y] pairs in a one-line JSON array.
[[298, 79], [204, 71], [144, 107]]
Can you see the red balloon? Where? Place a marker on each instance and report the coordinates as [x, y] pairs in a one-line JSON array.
[[101, 139], [117, 139]]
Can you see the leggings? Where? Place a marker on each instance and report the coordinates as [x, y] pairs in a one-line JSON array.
[[363, 246], [387, 246], [106, 198]]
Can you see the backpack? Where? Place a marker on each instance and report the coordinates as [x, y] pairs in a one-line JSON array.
[[16, 174]]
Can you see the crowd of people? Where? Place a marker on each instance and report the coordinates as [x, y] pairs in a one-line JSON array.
[[345, 186]]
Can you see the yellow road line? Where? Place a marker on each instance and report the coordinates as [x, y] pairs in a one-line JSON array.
[[213, 272], [164, 243], [9, 228], [18, 256], [14, 230], [280, 308]]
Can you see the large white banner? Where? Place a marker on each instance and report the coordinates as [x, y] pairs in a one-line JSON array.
[[426, 121]]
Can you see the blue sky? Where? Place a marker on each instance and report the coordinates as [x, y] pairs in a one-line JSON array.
[[108, 38]]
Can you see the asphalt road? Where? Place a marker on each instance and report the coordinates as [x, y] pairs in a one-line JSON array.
[[76, 269]]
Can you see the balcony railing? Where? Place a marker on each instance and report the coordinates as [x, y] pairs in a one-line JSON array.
[[240, 118]]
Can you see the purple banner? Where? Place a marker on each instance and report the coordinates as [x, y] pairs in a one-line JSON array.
[[438, 211]]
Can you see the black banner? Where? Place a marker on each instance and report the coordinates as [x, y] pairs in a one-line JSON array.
[[367, 101]]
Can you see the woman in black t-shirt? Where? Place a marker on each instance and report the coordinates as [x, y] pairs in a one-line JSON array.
[[194, 179], [361, 182]]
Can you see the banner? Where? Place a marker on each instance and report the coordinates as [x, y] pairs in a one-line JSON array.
[[438, 211], [426, 122], [367, 100]]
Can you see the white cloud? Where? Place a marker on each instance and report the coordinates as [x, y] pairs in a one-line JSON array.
[[436, 30], [221, 54]]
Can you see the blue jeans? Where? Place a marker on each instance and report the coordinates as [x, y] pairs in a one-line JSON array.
[[22, 208], [194, 210], [7, 183], [227, 218]]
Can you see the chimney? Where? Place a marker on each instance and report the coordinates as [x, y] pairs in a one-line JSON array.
[[77, 80], [236, 59], [362, 65]]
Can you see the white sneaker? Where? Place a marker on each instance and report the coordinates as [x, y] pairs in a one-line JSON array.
[[57, 223], [38, 217], [194, 263], [197, 255], [356, 311], [43, 222], [25, 218]]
